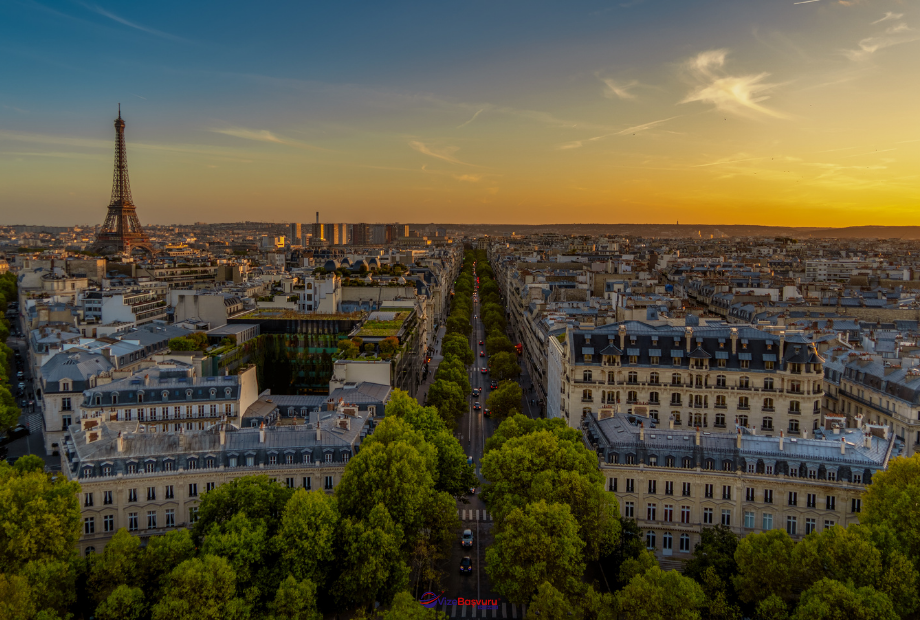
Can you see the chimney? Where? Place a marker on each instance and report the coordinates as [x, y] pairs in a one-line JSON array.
[[753, 430], [689, 333], [317, 217], [885, 432], [262, 433], [734, 340], [738, 439], [867, 440], [121, 442], [697, 435], [622, 332], [781, 440], [859, 421], [671, 423], [641, 431], [223, 436], [843, 445], [782, 345], [319, 432], [804, 433]]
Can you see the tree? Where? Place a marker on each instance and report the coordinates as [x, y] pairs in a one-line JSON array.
[[457, 345], [117, 565], [244, 543], [764, 566], [715, 550], [257, 496], [372, 566], [893, 500], [16, 598], [452, 369], [549, 602], [533, 545], [201, 589], [518, 425], [306, 537], [828, 599], [29, 463], [771, 608], [162, 555], [637, 566], [348, 348], [449, 399], [504, 366], [388, 347], [837, 553], [459, 325], [405, 607], [39, 517], [499, 343], [661, 595], [295, 600], [505, 399], [124, 603]]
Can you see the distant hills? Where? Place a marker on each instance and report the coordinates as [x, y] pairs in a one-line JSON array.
[[703, 231]]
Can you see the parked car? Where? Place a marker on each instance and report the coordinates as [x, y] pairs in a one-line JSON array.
[[493, 385], [15, 433], [466, 565], [467, 539], [487, 413]]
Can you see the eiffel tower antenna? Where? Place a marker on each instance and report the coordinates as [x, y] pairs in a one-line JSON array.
[[121, 232]]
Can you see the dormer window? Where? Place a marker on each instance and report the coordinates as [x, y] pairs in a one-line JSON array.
[[140, 397], [587, 357], [165, 395], [227, 392], [213, 393], [188, 394], [65, 386], [97, 399]]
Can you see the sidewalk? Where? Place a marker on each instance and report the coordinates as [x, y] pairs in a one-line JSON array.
[[436, 358]]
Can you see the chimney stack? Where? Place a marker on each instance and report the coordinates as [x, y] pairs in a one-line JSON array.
[[223, 435], [843, 445], [121, 442], [781, 440], [622, 333], [641, 431], [262, 433], [782, 345], [804, 433], [671, 423], [738, 439], [867, 440], [734, 340], [689, 334], [319, 432], [697, 435]]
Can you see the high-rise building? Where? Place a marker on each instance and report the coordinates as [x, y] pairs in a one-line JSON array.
[[296, 235], [121, 231], [361, 234], [378, 234]]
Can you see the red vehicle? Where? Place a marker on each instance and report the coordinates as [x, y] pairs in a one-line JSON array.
[[484, 370], [519, 348], [482, 354]]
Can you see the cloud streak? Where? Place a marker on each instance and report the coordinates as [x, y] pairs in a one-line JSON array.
[[623, 132], [478, 112], [620, 91], [741, 95], [888, 16], [893, 35], [444, 154], [263, 135], [124, 22]]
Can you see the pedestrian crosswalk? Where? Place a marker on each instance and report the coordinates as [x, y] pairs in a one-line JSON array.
[[469, 514], [502, 610]]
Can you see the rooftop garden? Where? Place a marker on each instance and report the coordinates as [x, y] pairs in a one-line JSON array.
[[377, 328], [284, 313]]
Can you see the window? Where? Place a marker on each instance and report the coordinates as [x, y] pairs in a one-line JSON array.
[[811, 500], [653, 377], [151, 519], [768, 382], [707, 516], [720, 381], [653, 398], [307, 483], [809, 526], [170, 517], [768, 496], [749, 519], [721, 403], [629, 510], [586, 375], [857, 478], [612, 485], [652, 487], [232, 461], [726, 517], [651, 512], [828, 523], [87, 499], [630, 485], [749, 494], [685, 543], [209, 486], [856, 505], [668, 512], [793, 498], [795, 406], [768, 469], [832, 475], [107, 498], [667, 541], [151, 494], [132, 495], [132, 521], [708, 491], [669, 488], [193, 489], [793, 426], [685, 514], [327, 457], [791, 525], [170, 493], [767, 521], [744, 382], [586, 396], [675, 377], [89, 525], [328, 483], [193, 514], [632, 377], [743, 402], [150, 467], [686, 489], [675, 399], [726, 491], [767, 423], [830, 502], [289, 459]]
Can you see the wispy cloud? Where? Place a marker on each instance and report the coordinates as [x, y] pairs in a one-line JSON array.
[[263, 135], [623, 132], [620, 91], [893, 35], [444, 153], [469, 178], [121, 20], [478, 112], [888, 16], [736, 94]]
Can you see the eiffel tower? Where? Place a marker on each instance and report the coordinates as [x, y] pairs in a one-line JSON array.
[[121, 233]]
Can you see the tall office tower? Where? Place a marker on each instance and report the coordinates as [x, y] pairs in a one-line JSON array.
[[378, 234], [296, 234], [121, 231], [342, 232], [361, 234]]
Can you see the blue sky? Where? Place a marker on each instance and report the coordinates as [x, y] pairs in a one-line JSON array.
[[485, 111]]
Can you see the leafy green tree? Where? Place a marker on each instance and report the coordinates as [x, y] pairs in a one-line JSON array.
[[258, 496], [828, 599], [518, 425], [504, 366], [29, 463], [16, 598], [201, 589], [717, 605], [405, 607], [449, 399], [457, 345], [637, 566], [348, 348], [837, 553], [53, 584], [893, 500], [124, 603], [39, 517], [499, 343], [452, 370], [161, 556], [549, 602], [505, 399], [533, 545], [117, 565], [9, 412], [295, 600], [764, 566], [306, 537], [182, 343], [388, 347], [244, 543], [716, 550], [661, 595], [771, 608], [371, 563], [459, 325]]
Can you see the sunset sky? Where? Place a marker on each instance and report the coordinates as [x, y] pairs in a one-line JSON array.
[[703, 111]]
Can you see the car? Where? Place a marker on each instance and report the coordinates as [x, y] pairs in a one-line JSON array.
[[484, 370], [21, 385], [20, 375], [466, 565], [487, 413], [477, 391], [467, 539], [481, 343], [472, 490], [16, 433], [477, 406], [482, 354], [493, 385]]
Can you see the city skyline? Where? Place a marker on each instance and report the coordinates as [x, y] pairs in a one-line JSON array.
[[634, 112]]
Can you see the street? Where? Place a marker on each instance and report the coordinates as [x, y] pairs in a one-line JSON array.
[[31, 416]]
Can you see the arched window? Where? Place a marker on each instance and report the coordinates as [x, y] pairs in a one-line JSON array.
[[632, 396], [188, 395], [768, 404], [743, 402], [675, 399], [213, 392], [795, 406], [685, 543], [98, 399], [720, 401], [743, 420], [744, 382], [653, 398], [653, 378], [140, 397], [667, 542], [767, 424], [633, 377], [587, 395], [114, 398], [720, 381], [585, 411], [768, 383], [227, 392], [675, 378], [653, 414], [586, 375]]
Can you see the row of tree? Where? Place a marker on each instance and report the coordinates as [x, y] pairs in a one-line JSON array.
[[9, 411], [257, 548]]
